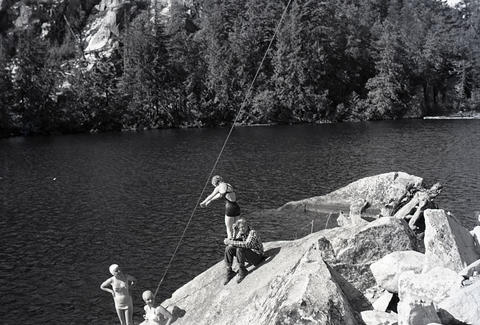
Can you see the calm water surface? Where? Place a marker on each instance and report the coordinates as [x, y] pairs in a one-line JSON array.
[[72, 205]]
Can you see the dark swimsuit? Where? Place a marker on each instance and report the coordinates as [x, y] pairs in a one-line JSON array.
[[232, 209]]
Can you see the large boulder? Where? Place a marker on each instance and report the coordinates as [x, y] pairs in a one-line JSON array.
[[475, 232], [99, 35], [463, 305], [375, 190], [4, 4], [375, 317], [24, 16], [416, 313], [435, 285], [447, 243], [293, 285], [382, 302], [351, 250], [387, 270]]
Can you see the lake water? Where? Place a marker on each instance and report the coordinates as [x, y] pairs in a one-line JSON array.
[[73, 205]]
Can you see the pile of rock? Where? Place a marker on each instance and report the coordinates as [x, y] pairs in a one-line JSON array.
[[376, 272]]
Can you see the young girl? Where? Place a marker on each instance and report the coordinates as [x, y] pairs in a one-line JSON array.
[[121, 284], [232, 209], [154, 315]]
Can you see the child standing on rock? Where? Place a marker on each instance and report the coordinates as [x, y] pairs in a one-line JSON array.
[[154, 315]]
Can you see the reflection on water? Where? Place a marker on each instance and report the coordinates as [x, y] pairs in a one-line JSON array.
[[72, 205]]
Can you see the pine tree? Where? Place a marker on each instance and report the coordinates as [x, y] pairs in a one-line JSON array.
[[188, 69], [388, 90], [146, 77], [467, 65], [310, 52], [224, 92], [6, 97], [34, 85]]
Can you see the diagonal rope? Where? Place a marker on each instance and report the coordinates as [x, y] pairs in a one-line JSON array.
[[247, 95]]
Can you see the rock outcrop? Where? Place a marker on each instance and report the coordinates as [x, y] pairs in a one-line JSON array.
[[447, 243], [417, 313], [387, 270], [462, 305], [293, 285], [375, 190], [351, 250], [375, 317], [102, 20], [434, 286], [339, 275]]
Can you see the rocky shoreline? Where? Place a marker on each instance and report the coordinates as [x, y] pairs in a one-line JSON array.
[[469, 115], [376, 267]]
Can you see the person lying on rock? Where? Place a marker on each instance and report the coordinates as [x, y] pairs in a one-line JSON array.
[[154, 315], [246, 246]]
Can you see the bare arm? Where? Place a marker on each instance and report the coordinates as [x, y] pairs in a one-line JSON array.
[[217, 193], [131, 280], [104, 285]]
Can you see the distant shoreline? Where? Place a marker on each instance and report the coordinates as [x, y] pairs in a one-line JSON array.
[[456, 116]]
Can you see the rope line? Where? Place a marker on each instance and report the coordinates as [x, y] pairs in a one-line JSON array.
[[247, 94]]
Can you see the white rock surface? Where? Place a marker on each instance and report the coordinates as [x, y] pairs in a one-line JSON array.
[[387, 269], [462, 305], [416, 313], [381, 304], [447, 243], [375, 317], [294, 287], [435, 286]]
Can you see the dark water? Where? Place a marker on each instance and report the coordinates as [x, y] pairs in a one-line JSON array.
[[72, 205]]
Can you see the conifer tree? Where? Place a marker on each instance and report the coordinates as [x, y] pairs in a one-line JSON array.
[[6, 97], [146, 75], [223, 95], [34, 82], [388, 89]]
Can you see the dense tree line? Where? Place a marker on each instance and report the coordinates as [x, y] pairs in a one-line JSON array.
[[332, 60]]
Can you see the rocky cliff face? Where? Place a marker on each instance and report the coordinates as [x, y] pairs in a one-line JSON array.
[[96, 23], [360, 273]]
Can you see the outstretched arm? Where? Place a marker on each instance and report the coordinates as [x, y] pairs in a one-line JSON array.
[[217, 193]]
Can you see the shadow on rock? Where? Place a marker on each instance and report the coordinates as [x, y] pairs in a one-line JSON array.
[[449, 319], [356, 298], [269, 255], [177, 313]]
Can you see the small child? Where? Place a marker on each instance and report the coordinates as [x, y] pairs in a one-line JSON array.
[[154, 315]]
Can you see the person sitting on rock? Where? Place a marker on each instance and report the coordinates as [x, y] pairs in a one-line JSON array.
[[154, 315], [246, 246]]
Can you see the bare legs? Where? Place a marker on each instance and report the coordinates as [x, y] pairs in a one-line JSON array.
[[229, 222], [129, 315], [125, 316], [121, 316]]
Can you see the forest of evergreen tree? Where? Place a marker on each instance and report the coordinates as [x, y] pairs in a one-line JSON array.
[[332, 61]]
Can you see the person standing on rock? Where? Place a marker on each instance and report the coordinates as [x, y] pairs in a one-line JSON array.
[[246, 246], [121, 284], [232, 209]]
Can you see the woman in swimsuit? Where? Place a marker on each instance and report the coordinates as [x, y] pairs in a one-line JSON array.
[[232, 209], [121, 284]]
